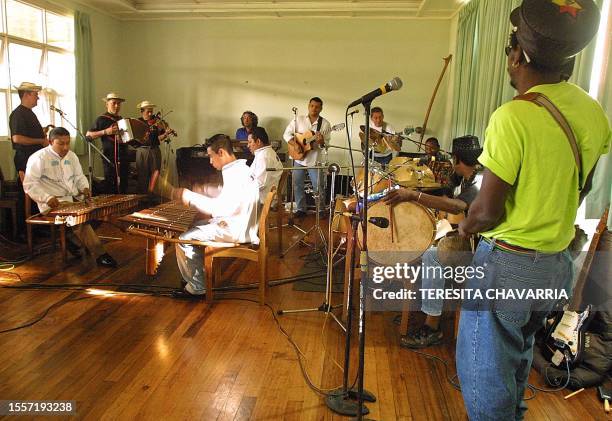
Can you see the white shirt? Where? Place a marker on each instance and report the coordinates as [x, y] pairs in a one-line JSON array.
[[303, 125], [387, 128], [234, 211], [49, 175], [265, 158]]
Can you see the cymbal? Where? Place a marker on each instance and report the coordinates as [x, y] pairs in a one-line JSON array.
[[423, 185]]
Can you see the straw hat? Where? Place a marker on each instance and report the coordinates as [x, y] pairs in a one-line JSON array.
[[28, 86], [145, 104], [112, 95]]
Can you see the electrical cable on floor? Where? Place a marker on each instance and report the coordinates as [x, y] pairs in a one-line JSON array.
[[532, 388], [44, 314], [301, 357]]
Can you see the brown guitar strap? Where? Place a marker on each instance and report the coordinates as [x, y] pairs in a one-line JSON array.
[[543, 101]]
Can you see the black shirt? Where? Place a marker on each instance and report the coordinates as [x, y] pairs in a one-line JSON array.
[[108, 142], [154, 133], [24, 122]]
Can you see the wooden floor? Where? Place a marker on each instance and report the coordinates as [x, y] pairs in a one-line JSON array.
[[152, 357]]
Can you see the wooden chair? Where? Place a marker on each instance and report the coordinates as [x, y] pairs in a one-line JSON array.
[[8, 203], [215, 251], [280, 209], [35, 220]]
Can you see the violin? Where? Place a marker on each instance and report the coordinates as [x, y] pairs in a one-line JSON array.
[[162, 125]]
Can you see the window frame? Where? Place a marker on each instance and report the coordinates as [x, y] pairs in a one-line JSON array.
[[6, 40]]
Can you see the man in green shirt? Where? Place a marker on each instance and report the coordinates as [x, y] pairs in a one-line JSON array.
[[527, 205]]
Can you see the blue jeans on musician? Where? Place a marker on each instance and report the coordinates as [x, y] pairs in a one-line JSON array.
[[299, 176], [495, 341], [190, 258], [432, 279]]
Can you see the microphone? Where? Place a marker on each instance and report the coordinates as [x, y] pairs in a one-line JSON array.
[[379, 221], [354, 112], [60, 112], [294, 109], [394, 84]]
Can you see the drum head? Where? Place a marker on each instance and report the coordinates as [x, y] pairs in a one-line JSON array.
[[376, 181], [413, 233]]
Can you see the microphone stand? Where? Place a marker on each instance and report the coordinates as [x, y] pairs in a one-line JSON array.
[[363, 263], [90, 145]]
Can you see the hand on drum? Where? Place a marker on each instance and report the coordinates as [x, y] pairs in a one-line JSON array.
[[395, 197], [461, 230]]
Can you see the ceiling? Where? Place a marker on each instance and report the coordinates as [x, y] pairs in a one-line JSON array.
[[210, 9]]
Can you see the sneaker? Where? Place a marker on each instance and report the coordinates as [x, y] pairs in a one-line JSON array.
[[184, 294], [106, 260], [421, 338]]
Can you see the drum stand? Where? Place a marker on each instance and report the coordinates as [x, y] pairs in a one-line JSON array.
[[326, 307], [316, 193], [290, 222]]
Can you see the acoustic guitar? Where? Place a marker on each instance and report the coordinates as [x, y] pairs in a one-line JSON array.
[[302, 143]]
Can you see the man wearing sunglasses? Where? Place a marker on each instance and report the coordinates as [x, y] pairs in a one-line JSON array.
[[532, 186]]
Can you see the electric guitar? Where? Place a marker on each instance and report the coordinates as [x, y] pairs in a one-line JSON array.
[[565, 337], [302, 143]]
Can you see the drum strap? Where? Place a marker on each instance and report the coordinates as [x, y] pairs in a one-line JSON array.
[[543, 101]]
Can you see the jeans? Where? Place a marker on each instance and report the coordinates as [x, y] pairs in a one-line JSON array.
[[298, 185], [189, 258], [495, 341], [432, 279]]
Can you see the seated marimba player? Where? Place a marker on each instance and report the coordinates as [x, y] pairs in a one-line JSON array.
[[233, 214], [265, 157], [54, 175], [465, 153]]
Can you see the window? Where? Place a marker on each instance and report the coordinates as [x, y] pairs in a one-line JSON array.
[[36, 45]]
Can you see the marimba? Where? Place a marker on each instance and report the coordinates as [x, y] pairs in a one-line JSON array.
[[159, 225], [68, 214], [97, 208]]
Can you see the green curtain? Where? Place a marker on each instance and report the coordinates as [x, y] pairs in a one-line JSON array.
[[464, 75], [584, 61], [84, 89], [480, 76], [601, 193]]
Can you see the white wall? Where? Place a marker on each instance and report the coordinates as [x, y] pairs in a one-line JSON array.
[[210, 71]]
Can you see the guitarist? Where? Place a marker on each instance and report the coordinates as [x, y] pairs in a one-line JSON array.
[[322, 130]]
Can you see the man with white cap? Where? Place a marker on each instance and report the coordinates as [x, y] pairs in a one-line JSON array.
[[539, 153], [27, 133], [148, 156], [105, 127]]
